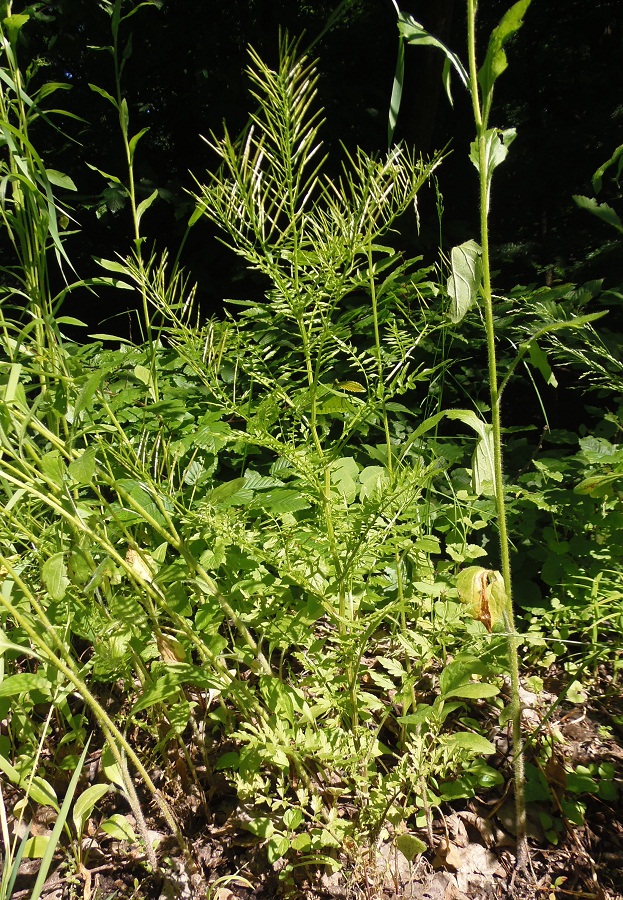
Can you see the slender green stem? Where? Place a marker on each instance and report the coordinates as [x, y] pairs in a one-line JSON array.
[[500, 502]]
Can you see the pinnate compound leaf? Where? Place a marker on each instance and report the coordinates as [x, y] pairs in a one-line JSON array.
[[464, 283], [495, 61]]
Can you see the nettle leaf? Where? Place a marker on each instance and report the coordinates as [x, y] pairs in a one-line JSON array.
[[495, 61], [464, 283]]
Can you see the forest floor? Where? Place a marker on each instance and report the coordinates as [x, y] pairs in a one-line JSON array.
[[471, 858]]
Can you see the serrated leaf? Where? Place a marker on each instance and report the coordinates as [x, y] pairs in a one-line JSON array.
[[54, 575], [464, 283], [225, 491]]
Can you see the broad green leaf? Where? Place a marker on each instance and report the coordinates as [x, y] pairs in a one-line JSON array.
[[144, 206], [483, 591], [13, 24], [539, 360], [496, 142], [112, 266], [119, 828], [111, 769], [396, 97], [71, 320], [104, 94], [168, 685], [60, 180], [6, 644], [87, 392], [124, 116], [82, 469], [602, 210], [344, 475], [469, 417], [277, 847], [465, 281], [24, 683], [483, 465], [143, 374], [282, 500], [373, 479], [601, 171], [460, 671], [225, 491], [11, 388], [414, 33], [54, 575], [495, 61], [35, 847], [410, 846], [473, 743], [474, 690], [53, 467], [85, 804], [135, 139]]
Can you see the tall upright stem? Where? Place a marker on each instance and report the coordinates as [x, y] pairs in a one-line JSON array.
[[500, 502]]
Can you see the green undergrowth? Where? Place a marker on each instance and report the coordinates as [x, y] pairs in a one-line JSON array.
[[235, 553]]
